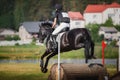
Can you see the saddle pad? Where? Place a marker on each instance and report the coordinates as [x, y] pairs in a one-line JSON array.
[[59, 36]]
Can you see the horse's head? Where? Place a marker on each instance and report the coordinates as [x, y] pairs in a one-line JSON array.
[[44, 31]]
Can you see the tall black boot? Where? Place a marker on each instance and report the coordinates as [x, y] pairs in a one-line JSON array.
[[54, 40], [54, 43]]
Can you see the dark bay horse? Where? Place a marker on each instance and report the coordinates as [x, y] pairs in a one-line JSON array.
[[70, 40]]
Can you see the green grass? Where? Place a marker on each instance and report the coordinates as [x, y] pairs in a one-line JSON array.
[[72, 54], [32, 51], [109, 52], [23, 51], [111, 69], [21, 71], [31, 71]]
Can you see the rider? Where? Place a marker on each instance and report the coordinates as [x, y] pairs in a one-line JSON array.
[[62, 19]]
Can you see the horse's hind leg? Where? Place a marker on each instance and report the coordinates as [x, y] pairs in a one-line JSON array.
[[46, 63], [89, 50], [92, 49], [86, 53]]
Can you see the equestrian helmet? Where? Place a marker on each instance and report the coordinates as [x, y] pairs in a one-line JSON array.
[[58, 6]]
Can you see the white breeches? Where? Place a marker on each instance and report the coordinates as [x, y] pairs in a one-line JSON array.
[[60, 27]]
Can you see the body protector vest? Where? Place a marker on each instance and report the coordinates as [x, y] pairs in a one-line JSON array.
[[63, 17]]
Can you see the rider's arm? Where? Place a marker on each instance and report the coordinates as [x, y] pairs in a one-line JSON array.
[[54, 23]]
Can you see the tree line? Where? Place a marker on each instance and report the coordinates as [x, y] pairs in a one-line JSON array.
[[14, 12]]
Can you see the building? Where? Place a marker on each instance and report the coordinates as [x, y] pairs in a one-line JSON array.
[[28, 30], [76, 20], [110, 33], [7, 32], [99, 13]]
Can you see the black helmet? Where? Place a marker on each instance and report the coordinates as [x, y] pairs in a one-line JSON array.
[[58, 6]]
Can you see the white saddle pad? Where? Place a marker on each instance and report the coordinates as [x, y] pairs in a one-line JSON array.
[[59, 36]]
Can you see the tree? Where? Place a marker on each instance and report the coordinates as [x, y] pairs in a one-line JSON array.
[[18, 13], [94, 29], [14, 12], [108, 22]]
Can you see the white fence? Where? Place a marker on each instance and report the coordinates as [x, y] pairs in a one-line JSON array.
[[12, 43]]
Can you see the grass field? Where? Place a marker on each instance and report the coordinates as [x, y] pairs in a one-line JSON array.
[[23, 51], [31, 71], [21, 71], [32, 51]]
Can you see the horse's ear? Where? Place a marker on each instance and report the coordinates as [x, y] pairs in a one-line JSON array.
[[50, 24]]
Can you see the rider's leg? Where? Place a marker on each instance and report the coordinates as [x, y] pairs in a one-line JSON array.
[[60, 28], [54, 43], [57, 31]]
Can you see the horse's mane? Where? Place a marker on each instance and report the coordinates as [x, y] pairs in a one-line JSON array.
[[47, 24]]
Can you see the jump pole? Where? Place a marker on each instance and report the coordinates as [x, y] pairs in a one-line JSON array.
[[119, 56], [58, 57]]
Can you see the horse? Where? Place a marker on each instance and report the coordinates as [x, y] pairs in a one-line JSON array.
[[70, 40]]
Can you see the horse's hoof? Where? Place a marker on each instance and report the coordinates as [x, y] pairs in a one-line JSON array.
[[44, 70], [94, 57]]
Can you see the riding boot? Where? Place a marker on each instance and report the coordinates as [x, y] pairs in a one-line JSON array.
[[54, 43]]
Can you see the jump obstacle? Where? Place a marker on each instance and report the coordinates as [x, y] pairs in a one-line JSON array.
[[78, 72]]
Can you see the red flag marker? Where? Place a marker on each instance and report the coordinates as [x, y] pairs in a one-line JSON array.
[[103, 47]]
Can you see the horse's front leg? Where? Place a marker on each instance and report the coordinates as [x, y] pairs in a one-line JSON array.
[[47, 60], [42, 58]]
